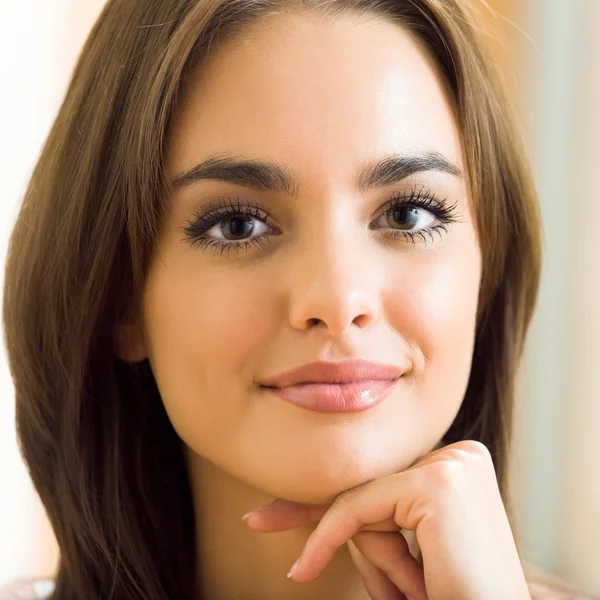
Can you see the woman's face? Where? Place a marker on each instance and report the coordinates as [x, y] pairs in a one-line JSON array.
[[322, 278]]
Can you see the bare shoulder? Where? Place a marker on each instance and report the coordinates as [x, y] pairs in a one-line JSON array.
[[27, 589], [544, 586]]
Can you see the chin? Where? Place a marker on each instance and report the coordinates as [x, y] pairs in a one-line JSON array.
[[320, 482]]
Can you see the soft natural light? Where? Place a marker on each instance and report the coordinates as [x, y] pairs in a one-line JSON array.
[[551, 55]]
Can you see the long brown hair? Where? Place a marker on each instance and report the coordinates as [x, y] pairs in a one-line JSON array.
[[100, 449]]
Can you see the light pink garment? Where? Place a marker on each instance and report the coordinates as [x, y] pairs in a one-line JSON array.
[[27, 589]]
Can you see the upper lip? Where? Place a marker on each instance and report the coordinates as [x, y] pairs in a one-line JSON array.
[[334, 372]]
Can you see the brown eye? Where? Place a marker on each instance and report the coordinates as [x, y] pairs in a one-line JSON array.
[[238, 227], [407, 217], [235, 226]]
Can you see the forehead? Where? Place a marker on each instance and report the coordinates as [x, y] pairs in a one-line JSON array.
[[317, 93]]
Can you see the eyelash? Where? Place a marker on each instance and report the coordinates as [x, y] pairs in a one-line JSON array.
[[226, 210]]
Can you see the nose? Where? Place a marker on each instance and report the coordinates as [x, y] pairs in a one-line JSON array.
[[335, 281]]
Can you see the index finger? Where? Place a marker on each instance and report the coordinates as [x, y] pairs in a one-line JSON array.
[[282, 515], [377, 501]]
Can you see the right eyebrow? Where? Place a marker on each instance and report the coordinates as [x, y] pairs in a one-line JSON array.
[[272, 176]]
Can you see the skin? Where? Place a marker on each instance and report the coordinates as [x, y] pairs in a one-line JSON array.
[[320, 97]]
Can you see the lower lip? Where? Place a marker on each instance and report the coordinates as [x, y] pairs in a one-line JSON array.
[[336, 397]]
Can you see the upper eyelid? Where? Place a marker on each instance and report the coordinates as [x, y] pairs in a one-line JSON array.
[[224, 201]]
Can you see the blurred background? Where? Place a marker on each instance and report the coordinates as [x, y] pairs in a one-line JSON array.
[[549, 51]]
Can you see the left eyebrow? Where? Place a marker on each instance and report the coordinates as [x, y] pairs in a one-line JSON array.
[[273, 177]]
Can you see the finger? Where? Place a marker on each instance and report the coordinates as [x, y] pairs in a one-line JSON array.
[[284, 514], [390, 554], [374, 502], [376, 581]]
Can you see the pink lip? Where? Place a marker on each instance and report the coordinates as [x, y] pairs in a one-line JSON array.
[[335, 372], [336, 398]]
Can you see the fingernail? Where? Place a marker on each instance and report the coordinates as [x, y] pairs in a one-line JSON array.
[[255, 510], [294, 568]]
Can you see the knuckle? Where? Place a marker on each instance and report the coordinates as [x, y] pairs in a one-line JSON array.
[[447, 472], [475, 448], [459, 467], [456, 454], [471, 452], [343, 500]]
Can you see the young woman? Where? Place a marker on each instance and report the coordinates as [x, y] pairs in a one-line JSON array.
[[277, 251]]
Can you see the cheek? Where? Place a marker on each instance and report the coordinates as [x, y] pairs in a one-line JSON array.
[[435, 311], [201, 331], [205, 321]]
